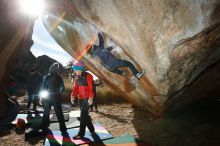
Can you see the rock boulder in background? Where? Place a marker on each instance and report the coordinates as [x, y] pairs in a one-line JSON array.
[[15, 36]]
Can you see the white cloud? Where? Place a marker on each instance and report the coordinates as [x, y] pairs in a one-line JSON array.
[[44, 44]]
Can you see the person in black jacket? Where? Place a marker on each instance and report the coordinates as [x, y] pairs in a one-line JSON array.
[[110, 61], [34, 84], [53, 84], [95, 84]]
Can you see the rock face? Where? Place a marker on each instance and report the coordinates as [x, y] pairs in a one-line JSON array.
[[15, 41], [173, 41], [15, 33], [27, 61], [43, 64]]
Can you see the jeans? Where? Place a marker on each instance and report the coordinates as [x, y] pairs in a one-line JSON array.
[[123, 63], [56, 103], [85, 119]]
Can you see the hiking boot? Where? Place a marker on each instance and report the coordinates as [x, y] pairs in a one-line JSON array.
[[140, 74]]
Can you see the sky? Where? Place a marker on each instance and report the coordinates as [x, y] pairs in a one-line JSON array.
[[44, 44]]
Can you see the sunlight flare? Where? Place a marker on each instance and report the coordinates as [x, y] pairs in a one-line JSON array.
[[32, 7]]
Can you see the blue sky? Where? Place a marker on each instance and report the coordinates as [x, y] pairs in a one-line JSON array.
[[44, 44]]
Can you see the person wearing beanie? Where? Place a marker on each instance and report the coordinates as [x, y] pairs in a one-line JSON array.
[[53, 84], [84, 91], [109, 61]]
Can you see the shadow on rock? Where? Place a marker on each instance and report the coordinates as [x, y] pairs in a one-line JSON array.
[[197, 124]]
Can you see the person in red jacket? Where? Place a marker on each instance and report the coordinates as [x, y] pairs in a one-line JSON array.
[[84, 91]]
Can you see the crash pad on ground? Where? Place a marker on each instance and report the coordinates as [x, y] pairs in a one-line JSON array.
[[74, 113], [32, 132], [126, 140], [29, 118], [72, 123], [30, 111], [53, 117], [66, 108], [34, 128], [37, 118], [56, 138]]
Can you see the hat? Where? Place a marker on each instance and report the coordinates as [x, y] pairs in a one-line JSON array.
[[54, 68], [78, 66]]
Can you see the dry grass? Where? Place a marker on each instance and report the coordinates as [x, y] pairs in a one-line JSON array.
[[107, 95]]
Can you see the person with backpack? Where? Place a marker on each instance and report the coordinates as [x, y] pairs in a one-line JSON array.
[[52, 88]]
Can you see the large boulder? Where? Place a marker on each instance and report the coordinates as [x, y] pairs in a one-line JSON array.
[[173, 41], [15, 36], [27, 61], [43, 64]]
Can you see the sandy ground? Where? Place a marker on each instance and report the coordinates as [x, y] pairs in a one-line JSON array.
[[116, 118], [196, 125]]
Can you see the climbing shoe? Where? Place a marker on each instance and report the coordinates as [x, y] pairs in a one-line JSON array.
[[124, 73], [140, 74]]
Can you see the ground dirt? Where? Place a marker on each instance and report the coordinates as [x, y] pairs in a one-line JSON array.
[[196, 125]]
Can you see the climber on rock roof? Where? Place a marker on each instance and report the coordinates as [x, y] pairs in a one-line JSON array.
[[110, 61]]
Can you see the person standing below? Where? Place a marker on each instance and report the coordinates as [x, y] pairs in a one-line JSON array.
[[34, 84], [83, 89], [54, 86], [95, 84]]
